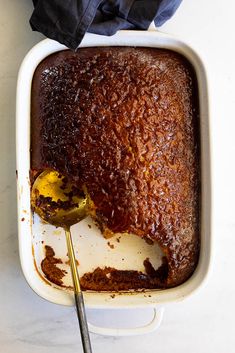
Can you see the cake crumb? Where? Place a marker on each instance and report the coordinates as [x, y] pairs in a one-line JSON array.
[[110, 245]]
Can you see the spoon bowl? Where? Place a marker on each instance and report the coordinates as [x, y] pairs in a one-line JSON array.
[[57, 201]]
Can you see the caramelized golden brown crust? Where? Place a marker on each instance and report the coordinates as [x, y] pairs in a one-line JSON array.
[[123, 121]]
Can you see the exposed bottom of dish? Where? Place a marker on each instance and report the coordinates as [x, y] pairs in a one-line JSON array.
[[124, 262], [108, 278]]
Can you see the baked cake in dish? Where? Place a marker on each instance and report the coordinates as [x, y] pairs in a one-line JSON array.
[[123, 122]]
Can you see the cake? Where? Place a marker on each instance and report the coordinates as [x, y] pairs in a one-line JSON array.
[[124, 123]]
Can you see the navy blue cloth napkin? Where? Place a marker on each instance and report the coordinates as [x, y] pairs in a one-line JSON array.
[[68, 20]]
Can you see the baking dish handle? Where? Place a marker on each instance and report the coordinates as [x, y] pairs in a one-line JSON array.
[[150, 327]]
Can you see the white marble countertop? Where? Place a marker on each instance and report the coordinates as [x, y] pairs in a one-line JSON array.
[[202, 323]]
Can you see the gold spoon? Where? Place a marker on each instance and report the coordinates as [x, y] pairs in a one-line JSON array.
[[57, 202]]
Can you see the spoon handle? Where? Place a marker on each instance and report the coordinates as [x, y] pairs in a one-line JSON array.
[[78, 295], [83, 322]]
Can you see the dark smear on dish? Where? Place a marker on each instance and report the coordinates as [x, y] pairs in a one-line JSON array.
[[53, 273]]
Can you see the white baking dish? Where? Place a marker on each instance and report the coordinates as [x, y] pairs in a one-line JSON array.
[[92, 249]]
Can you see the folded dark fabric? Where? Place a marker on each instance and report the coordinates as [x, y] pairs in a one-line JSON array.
[[68, 21]]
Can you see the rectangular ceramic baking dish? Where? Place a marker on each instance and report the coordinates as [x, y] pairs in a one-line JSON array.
[[91, 248]]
